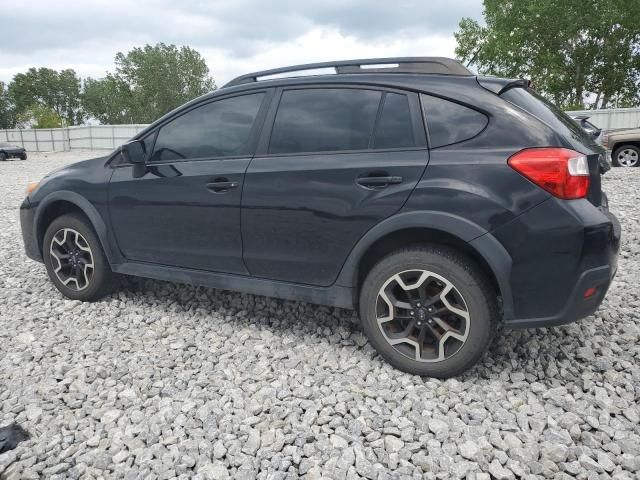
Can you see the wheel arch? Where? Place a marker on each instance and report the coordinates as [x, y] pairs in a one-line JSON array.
[[414, 228], [622, 143], [63, 202]]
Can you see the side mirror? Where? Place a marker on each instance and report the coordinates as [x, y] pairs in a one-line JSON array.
[[134, 152]]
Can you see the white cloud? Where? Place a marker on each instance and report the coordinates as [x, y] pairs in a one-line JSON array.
[[322, 44], [235, 37]]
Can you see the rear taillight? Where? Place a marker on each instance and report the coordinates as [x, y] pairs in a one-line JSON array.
[[562, 172]]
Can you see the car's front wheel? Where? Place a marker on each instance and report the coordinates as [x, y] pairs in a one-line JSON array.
[[428, 311], [75, 261], [23, 156], [3, 156], [626, 156]]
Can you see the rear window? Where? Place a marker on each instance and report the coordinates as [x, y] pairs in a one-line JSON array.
[[449, 122], [545, 111]]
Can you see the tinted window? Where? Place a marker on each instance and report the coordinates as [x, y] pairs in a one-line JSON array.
[[395, 129], [217, 129], [318, 120], [449, 122], [539, 107]]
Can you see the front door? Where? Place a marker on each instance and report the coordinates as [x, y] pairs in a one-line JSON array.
[[337, 162], [185, 210]]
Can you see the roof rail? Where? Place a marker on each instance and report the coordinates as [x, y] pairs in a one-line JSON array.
[[440, 65]]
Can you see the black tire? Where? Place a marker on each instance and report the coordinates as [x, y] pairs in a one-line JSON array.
[[633, 154], [471, 284], [3, 156], [23, 156], [100, 280]]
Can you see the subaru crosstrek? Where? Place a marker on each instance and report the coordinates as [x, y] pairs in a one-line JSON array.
[[437, 203]]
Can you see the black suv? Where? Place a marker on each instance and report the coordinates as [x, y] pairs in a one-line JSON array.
[[435, 202]]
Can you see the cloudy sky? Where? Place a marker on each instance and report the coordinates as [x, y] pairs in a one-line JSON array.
[[234, 36]]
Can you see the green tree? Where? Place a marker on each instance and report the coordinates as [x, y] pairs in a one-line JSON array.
[[575, 51], [148, 82], [7, 109], [44, 87], [108, 100], [44, 117]]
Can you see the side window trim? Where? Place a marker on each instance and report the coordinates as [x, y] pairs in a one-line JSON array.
[[147, 155], [376, 123], [253, 136], [418, 122], [420, 131], [423, 115]]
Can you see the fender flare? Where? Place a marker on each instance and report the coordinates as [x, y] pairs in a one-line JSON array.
[[97, 222], [478, 238]]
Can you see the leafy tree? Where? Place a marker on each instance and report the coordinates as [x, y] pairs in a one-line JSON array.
[[148, 82], [44, 87], [44, 117], [576, 51], [108, 100], [7, 109]]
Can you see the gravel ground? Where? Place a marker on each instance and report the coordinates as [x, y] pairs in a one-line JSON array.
[[163, 380]]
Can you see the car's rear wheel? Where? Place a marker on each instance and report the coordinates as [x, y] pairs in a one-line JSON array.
[[75, 261], [3, 156], [626, 156], [428, 311]]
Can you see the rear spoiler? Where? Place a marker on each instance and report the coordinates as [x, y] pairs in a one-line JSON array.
[[500, 85]]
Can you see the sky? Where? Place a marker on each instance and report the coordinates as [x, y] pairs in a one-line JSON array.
[[233, 36]]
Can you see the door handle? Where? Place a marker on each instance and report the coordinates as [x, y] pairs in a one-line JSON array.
[[378, 181], [221, 185]]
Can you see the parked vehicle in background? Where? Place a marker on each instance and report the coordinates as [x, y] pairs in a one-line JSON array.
[[587, 126], [624, 146], [8, 150], [435, 202]]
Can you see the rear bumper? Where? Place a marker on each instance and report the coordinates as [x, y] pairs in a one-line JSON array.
[[27, 225], [561, 252], [578, 306]]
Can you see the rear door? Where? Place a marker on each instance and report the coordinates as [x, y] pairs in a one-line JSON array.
[[332, 162], [185, 210]]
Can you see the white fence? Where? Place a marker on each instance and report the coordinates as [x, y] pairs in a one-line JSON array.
[[612, 118], [98, 137], [108, 137]]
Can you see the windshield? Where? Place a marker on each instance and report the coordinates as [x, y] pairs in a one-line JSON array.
[[543, 110]]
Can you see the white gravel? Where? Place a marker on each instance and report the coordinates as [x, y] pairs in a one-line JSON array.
[[163, 380]]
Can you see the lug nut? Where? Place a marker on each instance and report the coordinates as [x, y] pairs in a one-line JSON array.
[[418, 305]]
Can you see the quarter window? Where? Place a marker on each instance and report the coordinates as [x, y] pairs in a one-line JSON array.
[[217, 129], [317, 120], [449, 122]]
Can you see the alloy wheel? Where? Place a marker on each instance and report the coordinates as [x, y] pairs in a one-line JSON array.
[[422, 315], [628, 157], [71, 251]]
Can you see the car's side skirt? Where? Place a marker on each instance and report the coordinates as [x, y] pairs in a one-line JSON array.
[[335, 296]]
